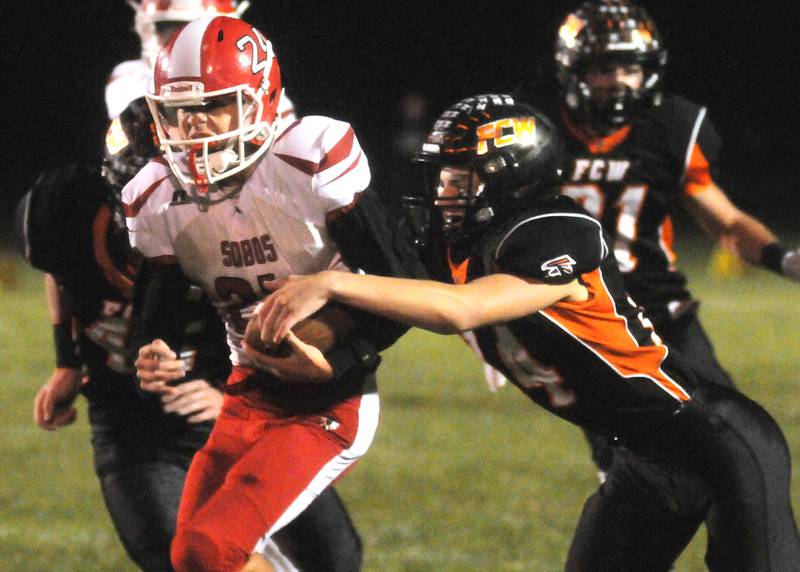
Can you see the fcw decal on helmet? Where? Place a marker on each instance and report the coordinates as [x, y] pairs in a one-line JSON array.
[[559, 265], [506, 131]]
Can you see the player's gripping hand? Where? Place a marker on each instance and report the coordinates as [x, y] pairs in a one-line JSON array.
[[304, 362], [53, 406], [157, 366], [196, 400], [293, 300]]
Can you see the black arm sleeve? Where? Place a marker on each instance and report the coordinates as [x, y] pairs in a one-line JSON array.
[[370, 242], [159, 297], [66, 347]]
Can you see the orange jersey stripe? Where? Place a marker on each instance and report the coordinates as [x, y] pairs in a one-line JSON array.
[[114, 276], [667, 240], [458, 271], [598, 327], [698, 172]]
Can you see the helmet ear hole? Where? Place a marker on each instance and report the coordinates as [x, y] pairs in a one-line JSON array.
[[494, 165]]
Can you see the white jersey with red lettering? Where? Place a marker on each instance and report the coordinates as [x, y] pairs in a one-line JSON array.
[[273, 227]]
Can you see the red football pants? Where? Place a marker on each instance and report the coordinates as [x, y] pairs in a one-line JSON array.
[[258, 471]]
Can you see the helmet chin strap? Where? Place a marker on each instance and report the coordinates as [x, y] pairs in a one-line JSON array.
[[218, 162], [221, 160]]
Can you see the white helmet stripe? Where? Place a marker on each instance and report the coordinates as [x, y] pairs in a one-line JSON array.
[[186, 52]]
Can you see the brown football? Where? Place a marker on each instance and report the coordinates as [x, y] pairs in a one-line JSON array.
[[321, 330]]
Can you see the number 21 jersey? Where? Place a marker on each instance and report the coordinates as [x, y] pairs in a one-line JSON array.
[[633, 181]]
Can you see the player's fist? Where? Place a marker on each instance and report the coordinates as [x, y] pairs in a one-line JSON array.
[[157, 366], [53, 407]]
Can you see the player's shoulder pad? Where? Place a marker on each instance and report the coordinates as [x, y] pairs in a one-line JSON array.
[[128, 67], [129, 80], [311, 138], [679, 122], [286, 114], [154, 176], [328, 151], [676, 107], [53, 220], [554, 245]]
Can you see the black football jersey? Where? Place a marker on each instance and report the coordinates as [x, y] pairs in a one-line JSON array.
[[104, 323], [103, 314], [613, 375], [633, 180]]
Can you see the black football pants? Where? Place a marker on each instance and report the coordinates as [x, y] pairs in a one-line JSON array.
[[688, 338], [723, 461]]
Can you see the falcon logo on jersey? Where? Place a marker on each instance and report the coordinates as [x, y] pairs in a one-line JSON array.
[[559, 265], [505, 132], [599, 169]]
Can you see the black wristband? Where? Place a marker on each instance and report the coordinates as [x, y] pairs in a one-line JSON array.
[[354, 359], [66, 350], [772, 256]]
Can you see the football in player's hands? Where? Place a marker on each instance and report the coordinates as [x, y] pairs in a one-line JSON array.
[[321, 330]]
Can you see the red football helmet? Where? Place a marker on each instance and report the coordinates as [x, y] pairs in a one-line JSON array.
[[214, 62], [157, 19]]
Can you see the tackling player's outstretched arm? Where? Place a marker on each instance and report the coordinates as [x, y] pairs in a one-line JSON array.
[[435, 306]]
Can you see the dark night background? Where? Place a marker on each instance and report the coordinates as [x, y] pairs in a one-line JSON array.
[[356, 60]]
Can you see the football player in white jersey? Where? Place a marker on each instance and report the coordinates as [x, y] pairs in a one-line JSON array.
[[234, 204], [142, 476], [326, 524]]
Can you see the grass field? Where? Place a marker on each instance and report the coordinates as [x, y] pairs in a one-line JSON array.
[[458, 479]]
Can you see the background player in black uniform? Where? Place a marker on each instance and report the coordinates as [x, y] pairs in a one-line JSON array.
[[634, 157], [535, 278], [142, 447]]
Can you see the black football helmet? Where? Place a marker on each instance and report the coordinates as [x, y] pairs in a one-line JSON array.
[[608, 33], [515, 151], [130, 143], [65, 226]]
